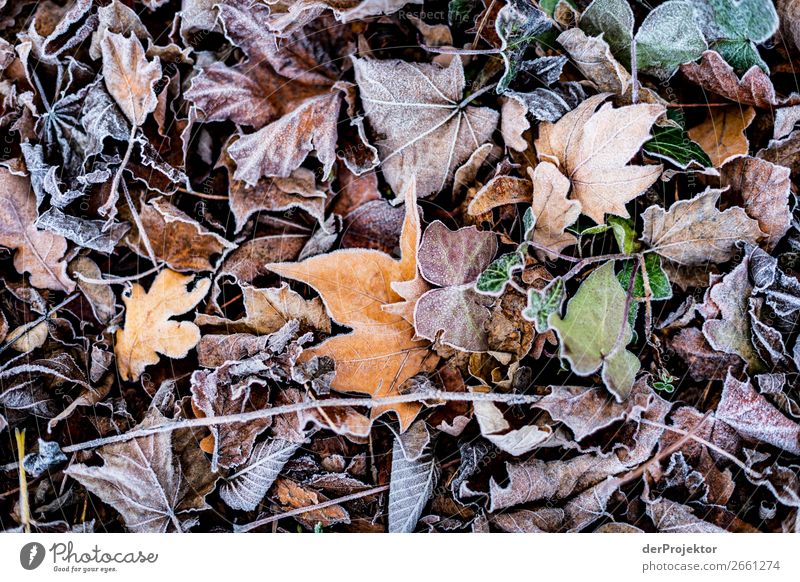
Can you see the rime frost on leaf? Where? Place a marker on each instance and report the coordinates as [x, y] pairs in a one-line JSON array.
[[425, 125], [410, 486]]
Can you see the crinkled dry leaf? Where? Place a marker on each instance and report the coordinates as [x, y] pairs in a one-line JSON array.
[[129, 76]]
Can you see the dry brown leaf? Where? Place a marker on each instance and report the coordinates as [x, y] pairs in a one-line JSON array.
[[278, 149], [722, 135], [129, 76], [694, 232], [148, 330], [499, 191], [762, 189], [38, 252], [156, 482], [592, 148], [177, 239], [552, 212], [291, 495], [355, 285], [269, 309], [714, 74], [426, 131], [592, 56]]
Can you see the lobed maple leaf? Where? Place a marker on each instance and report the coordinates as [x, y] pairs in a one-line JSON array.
[[356, 285]]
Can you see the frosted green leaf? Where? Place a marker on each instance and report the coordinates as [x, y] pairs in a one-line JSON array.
[[588, 332], [667, 38], [734, 28], [458, 11], [674, 145], [623, 231], [542, 303], [495, 278], [614, 20], [660, 287]]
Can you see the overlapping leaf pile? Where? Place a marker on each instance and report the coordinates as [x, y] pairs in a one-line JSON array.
[[383, 266]]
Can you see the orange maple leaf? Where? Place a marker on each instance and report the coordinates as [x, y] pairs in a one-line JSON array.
[[356, 286]]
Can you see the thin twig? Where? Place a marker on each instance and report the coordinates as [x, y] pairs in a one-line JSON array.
[[301, 510], [119, 280], [125, 159], [24, 503], [202, 194], [509, 399]]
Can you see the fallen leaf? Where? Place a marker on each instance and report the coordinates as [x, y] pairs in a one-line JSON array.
[[148, 330], [595, 319], [129, 76], [145, 480], [592, 148], [355, 285], [722, 134], [38, 252], [552, 212], [419, 110], [694, 232], [411, 484]]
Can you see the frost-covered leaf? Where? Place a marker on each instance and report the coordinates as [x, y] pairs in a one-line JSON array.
[[427, 132], [543, 303], [494, 280], [148, 329], [410, 486], [694, 232], [660, 288], [129, 76], [675, 145], [753, 417], [551, 210], [454, 260], [38, 252], [592, 148], [249, 484], [49, 455], [518, 24], [595, 319], [730, 333], [593, 57], [278, 149], [153, 485]]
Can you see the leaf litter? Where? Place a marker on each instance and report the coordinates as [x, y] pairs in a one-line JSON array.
[[505, 266]]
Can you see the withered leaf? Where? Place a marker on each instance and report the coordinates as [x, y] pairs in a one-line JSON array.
[[694, 232], [419, 113], [38, 252], [129, 76], [147, 482], [148, 330], [592, 147]]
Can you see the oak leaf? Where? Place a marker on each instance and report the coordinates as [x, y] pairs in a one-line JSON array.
[[148, 330], [356, 286], [592, 148], [38, 252]]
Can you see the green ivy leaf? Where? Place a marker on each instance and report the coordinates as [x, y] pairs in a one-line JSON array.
[[495, 278], [734, 28], [667, 38], [741, 54], [588, 332], [624, 233], [660, 286], [542, 303], [674, 145]]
